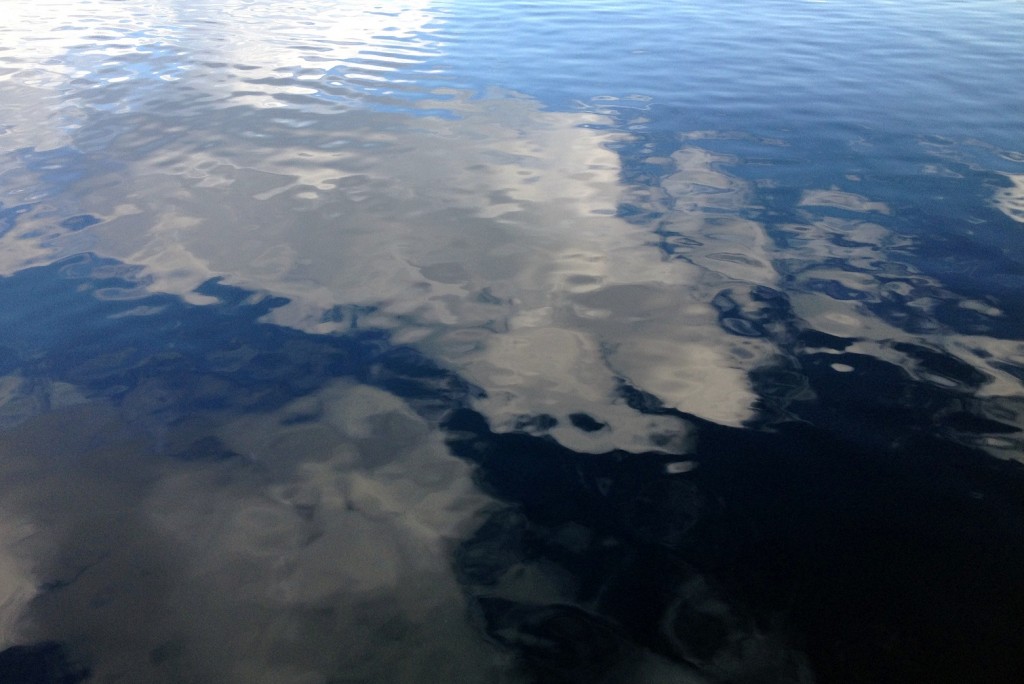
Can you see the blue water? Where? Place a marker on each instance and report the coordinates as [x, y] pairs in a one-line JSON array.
[[511, 342]]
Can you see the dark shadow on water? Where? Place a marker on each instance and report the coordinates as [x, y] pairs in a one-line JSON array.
[[879, 565], [43, 663]]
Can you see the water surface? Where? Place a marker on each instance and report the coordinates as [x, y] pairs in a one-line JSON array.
[[511, 342]]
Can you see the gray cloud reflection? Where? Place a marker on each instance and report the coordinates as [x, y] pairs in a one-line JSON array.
[[320, 551]]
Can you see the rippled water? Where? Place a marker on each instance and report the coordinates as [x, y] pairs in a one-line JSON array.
[[511, 342]]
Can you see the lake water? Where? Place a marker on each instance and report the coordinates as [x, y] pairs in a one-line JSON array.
[[664, 342]]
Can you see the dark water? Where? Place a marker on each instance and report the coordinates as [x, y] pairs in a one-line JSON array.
[[511, 342]]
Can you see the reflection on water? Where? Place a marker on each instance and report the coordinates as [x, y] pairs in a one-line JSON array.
[[1010, 200], [340, 343], [320, 548]]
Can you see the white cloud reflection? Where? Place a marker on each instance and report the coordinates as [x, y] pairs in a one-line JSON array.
[[456, 233], [1010, 200], [499, 220], [859, 256]]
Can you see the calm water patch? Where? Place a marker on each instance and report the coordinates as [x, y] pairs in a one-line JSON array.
[[522, 342]]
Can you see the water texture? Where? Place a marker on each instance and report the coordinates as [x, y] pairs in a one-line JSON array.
[[511, 342]]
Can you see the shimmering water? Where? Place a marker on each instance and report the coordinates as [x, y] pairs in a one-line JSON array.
[[511, 342]]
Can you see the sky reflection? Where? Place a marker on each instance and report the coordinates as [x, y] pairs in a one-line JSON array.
[[320, 360]]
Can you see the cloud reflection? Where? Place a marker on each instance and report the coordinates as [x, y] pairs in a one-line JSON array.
[[499, 219], [1010, 200], [318, 550], [312, 539], [846, 272]]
